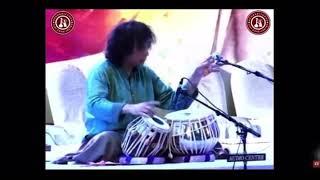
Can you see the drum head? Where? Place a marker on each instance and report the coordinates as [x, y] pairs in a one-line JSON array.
[[158, 123], [186, 115]]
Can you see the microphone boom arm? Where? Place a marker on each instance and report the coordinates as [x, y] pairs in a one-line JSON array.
[[243, 129], [225, 115], [221, 62]]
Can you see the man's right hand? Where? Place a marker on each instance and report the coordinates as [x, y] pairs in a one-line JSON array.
[[141, 109]]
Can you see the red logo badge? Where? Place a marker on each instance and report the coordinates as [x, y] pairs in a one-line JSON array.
[[62, 22], [258, 22]]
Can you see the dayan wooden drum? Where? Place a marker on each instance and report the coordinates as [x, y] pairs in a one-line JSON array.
[[192, 133]]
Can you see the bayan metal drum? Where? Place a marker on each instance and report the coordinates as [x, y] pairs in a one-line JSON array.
[[146, 137]]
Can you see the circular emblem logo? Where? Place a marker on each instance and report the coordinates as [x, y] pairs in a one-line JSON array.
[[62, 22], [258, 22]]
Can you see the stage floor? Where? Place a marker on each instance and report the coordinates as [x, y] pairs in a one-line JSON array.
[[215, 165]]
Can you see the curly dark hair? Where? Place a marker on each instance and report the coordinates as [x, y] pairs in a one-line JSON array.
[[124, 37]]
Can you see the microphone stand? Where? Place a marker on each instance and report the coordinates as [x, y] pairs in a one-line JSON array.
[[243, 129], [225, 62]]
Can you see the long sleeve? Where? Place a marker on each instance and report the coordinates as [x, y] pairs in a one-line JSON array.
[[166, 95], [183, 102], [97, 103]]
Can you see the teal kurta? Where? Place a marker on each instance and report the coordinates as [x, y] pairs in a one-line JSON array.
[[110, 88]]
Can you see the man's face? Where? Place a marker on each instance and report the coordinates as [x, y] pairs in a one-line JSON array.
[[139, 55]]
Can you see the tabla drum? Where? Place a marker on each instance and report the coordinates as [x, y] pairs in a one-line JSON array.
[[192, 133], [146, 137]]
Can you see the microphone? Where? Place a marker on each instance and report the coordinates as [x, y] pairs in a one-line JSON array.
[[219, 59], [178, 92]]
